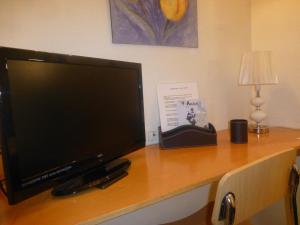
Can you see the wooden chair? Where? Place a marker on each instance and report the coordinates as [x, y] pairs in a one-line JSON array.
[[247, 190]]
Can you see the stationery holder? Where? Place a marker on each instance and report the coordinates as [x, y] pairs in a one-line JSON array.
[[187, 136]]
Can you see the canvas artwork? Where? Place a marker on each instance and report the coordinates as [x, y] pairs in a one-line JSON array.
[[155, 22]]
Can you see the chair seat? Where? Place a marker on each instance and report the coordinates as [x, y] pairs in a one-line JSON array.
[[200, 217]]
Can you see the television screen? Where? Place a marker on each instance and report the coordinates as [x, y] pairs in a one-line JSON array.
[[62, 115]]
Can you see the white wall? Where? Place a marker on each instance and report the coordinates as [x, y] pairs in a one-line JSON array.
[[276, 27], [83, 28]]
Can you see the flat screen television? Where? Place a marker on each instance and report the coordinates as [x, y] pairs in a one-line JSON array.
[[65, 118]]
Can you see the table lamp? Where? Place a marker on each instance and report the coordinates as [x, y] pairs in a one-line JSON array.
[[256, 69]]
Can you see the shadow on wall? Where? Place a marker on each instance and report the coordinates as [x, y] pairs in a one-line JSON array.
[[283, 106]]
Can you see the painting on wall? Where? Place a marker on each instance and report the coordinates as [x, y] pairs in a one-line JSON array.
[[155, 22]]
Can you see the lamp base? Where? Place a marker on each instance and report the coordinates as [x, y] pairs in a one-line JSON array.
[[258, 129]]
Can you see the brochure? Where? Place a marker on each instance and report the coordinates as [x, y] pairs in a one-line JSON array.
[[192, 112], [170, 95]]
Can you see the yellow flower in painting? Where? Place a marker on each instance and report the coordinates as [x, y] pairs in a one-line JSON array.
[[174, 10]]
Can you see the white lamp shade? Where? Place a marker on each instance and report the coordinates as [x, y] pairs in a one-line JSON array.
[[257, 69]]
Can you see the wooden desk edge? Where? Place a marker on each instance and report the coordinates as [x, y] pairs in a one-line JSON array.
[[286, 138], [136, 207]]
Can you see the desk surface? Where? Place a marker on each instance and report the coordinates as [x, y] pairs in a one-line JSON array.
[[154, 175]]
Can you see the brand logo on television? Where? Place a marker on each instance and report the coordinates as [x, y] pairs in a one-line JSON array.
[[46, 176]]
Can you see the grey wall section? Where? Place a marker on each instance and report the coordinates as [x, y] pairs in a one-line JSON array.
[[167, 210]]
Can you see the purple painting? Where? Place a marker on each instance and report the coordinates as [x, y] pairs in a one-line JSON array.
[[155, 22]]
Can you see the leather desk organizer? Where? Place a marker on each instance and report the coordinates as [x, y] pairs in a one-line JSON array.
[[187, 136]]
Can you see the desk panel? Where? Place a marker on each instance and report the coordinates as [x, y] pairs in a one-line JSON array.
[[154, 175]]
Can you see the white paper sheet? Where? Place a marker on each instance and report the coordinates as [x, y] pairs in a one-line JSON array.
[[168, 96]]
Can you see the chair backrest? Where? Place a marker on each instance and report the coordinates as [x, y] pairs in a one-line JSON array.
[[255, 186]]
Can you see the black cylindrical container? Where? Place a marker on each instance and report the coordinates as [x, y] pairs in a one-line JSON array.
[[239, 131]]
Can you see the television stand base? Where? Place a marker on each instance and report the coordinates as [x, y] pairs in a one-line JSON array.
[[100, 177], [111, 179]]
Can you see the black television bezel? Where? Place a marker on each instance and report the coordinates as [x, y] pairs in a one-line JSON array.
[[9, 155]]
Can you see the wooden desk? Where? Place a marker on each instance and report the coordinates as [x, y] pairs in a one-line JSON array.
[[154, 175]]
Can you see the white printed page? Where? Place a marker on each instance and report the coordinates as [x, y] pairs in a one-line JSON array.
[[168, 96]]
